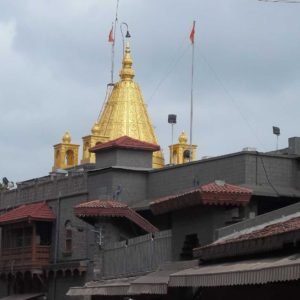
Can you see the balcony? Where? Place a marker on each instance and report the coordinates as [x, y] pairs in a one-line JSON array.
[[24, 259]]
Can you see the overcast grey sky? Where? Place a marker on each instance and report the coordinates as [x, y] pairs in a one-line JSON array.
[[55, 64]]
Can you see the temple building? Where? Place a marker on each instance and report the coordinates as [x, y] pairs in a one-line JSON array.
[[124, 225]]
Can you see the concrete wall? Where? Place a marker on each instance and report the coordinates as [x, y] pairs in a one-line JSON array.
[[43, 189], [104, 184], [3, 288], [58, 289], [124, 157], [262, 169], [177, 179], [200, 220], [262, 172], [82, 235], [268, 217]]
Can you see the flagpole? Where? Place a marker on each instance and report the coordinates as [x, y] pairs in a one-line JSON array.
[[192, 93], [113, 44]]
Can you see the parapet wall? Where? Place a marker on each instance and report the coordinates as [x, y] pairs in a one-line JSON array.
[[42, 190]]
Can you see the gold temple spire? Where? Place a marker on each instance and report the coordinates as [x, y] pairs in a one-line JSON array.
[[127, 72], [124, 113]]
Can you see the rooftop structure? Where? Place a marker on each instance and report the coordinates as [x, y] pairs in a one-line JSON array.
[[124, 113]]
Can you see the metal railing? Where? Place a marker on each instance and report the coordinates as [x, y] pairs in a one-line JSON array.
[[137, 256]]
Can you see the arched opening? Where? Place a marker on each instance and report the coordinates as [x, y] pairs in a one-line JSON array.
[[186, 155], [69, 158], [68, 273], [86, 149], [174, 158], [57, 156]]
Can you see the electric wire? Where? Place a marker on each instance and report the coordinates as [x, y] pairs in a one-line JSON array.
[[267, 175], [170, 69], [281, 1], [232, 99]]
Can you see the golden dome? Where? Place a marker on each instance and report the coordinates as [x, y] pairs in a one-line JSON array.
[[182, 138], [96, 129], [125, 112], [66, 138]]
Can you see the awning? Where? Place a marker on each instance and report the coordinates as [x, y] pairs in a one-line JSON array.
[[214, 193], [112, 209], [157, 282], [113, 287], [24, 297], [256, 271]]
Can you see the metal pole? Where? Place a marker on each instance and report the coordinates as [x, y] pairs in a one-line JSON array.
[[113, 45], [57, 225], [192, 96], [171, 154]]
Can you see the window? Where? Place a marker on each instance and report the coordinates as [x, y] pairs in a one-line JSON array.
[[68, 237]]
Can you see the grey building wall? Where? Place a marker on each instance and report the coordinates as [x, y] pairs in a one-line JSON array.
[[200, 220], [62, 286], [121, 184], [82, 234], [3, 288], [259, 220], [261, 172], [124, 157], [262, 169], [43, 189], [171, 180]]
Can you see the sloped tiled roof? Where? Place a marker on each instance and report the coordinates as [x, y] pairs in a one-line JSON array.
[[219, 187], [35, 211], [126, 142], [254, 239], [215, 193], [112, 208], [269, 230]]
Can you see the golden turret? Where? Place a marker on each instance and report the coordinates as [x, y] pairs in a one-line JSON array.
[[125, 113], [65, 153], [180, 153]]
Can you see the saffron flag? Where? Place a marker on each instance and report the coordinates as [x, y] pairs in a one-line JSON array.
[[111, 35], [192, 34]]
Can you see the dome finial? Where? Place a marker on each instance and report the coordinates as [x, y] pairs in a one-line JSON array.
[[66, 138], [127, 73], [96, 129], [182, 139]]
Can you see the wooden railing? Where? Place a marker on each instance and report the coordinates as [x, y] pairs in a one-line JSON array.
[[24, 258]]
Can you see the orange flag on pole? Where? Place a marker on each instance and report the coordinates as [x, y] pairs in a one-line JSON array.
[[111, 35], [192, 34]]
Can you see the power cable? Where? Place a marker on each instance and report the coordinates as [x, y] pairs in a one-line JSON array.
[[230, 96], [266, 173], [172, 65], [281, 1]]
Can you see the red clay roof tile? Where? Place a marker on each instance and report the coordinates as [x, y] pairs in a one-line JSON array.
[[279, 228], [112, 208], [215, 193], [35, 211], [269, 230]]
